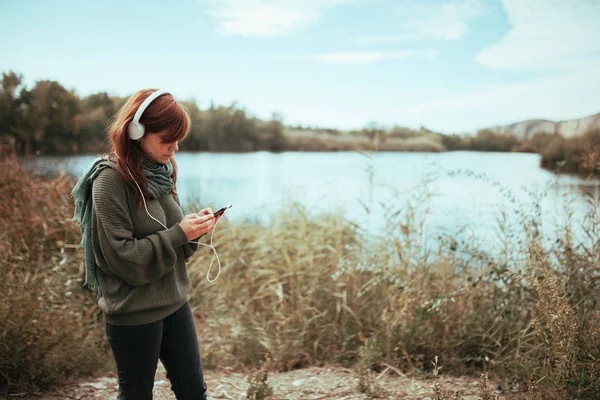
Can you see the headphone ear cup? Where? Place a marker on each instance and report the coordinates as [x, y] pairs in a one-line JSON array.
[[135, 130]]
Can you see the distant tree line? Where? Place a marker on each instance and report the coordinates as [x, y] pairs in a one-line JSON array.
[[49, 119], [580, 154]]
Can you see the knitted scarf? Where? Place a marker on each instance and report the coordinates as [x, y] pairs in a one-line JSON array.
[[160, 182]]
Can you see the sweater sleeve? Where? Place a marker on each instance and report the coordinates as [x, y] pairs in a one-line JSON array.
[[138, 261], [188, 248]]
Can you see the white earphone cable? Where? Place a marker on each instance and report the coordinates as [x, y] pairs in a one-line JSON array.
[[190, 241]]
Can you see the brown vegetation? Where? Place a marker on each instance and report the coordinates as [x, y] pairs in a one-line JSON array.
[[578, 154], [50, 329], [310, 292]]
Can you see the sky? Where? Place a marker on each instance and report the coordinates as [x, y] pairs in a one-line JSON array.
[[453, 66]]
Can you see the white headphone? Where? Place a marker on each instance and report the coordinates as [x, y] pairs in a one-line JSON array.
[[135, 129]]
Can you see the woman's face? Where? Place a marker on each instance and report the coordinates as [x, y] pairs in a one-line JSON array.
[[155, 147]]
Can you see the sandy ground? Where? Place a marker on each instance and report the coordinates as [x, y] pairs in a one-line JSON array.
[[306, 384]]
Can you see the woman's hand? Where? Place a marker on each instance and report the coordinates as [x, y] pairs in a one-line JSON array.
[[197, 224]]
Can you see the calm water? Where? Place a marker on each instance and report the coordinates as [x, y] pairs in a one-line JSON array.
[[457, 190]]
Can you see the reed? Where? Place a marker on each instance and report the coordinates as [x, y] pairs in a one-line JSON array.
[[314, 290], [50, 329]]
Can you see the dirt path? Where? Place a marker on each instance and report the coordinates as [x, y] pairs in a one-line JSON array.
[[305, 384]]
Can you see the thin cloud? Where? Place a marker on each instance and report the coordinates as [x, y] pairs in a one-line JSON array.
[[547, 35], [266, 17], [370, 57], [562, 96], [444, 22]]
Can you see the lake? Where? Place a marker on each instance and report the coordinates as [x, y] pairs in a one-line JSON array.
[[464, 192]]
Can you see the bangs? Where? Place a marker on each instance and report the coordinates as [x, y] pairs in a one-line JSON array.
[[169, 118], [179, 128]]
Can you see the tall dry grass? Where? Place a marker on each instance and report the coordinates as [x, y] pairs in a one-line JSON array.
[[308, 290], [312, 291], [48, 324]]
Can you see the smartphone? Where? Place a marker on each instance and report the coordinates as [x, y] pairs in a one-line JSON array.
[[221, 210]]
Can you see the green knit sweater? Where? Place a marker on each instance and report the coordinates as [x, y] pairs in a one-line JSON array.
[[142, 274]]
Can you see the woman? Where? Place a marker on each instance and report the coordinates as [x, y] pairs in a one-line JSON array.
[[136, 244]]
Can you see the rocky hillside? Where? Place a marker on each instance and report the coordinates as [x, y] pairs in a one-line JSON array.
[[568, 128]]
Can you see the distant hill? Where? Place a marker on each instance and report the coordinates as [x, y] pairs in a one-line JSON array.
[[568, 128]]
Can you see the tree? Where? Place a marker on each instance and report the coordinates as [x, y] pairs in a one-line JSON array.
[[51, 115], [13, 110], [272, 134], [91, 121]]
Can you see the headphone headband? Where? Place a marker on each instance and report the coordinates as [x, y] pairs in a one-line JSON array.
[[146, 103], [136, 130]]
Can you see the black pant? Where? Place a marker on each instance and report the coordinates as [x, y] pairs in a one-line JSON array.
[[137, 349]]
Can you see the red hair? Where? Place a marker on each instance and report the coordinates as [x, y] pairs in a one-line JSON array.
[[164, 115]]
